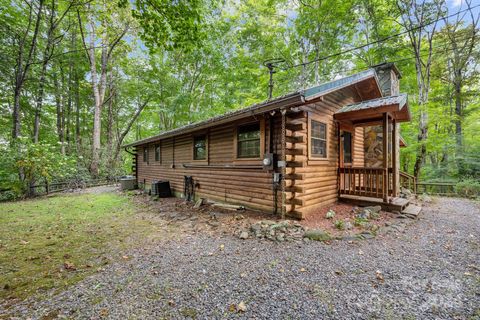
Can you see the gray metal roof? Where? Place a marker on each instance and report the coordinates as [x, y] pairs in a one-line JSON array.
[[334, 85], [291, 99], [400, 99]]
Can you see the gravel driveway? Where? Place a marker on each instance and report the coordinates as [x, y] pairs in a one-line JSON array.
[[431, 270]]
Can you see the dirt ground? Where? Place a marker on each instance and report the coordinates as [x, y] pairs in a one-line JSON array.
[[427, 269]]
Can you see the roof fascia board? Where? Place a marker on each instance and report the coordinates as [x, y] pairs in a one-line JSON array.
[[288, 101]]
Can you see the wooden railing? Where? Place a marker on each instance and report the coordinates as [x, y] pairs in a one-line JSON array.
[[408, 181], [437, 188], [368, 182]]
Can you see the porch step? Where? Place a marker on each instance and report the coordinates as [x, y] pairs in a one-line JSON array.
[[412, 211], [396, 204]]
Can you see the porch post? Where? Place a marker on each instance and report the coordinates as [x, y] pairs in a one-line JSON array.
[[395, 158], [385, 157]]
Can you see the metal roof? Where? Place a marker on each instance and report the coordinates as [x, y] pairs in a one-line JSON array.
[[400, 99], [334, 85], [288, 100]]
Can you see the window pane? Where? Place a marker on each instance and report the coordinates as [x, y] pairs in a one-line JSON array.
[[157, 152], [318, 130], [251, 131], [199, 148], [347, 147], [249, 149], [319, 148], [145, 154], [248, 138]]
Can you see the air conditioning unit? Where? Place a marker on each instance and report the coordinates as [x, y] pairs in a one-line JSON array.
[[161, 189]]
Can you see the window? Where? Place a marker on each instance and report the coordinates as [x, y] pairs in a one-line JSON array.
[[157, 152], [347, 147], [145, 154], [248, 141], [318, 139], [200, 148]]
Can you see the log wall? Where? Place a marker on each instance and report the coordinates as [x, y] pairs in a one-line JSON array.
[[251, 187], [310, 182]]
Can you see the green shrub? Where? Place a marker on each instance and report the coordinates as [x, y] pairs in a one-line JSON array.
[[339, 224], [468, 188], [360, 222]]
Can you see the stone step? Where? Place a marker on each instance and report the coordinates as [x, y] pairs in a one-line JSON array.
[[412, 211]]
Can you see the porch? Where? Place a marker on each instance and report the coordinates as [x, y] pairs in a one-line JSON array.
[[378, 182]]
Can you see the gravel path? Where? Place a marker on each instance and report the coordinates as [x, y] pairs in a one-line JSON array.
[[429, 271]]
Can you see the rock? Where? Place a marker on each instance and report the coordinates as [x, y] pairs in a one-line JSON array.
[[363, 214], [243, 235], [330, 214], [425, 198], [214, 223], [241, 307], [267, 222], [255, 227], [239, 217], [348, 225], [405, 193], [199, 203], [280, 238], [373, 209], [317, 234]]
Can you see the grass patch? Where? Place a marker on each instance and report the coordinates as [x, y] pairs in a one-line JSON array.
[[54, 242]]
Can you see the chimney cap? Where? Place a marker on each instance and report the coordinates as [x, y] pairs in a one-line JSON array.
[[388, 65]]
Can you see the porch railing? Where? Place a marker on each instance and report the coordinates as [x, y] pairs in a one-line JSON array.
[[408, 181], [362, 181]]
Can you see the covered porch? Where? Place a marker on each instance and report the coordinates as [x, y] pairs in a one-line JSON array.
[[377, 181]]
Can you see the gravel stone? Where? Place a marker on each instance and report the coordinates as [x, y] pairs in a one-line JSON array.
[[428, 272]]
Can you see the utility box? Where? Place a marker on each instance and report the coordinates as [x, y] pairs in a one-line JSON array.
[[161, 189], [128, 183]]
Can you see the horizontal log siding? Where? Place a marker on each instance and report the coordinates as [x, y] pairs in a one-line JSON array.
[[248, 187], [320, 176]]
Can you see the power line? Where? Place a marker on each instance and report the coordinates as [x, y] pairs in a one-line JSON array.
[[400, 60], [379, 40]]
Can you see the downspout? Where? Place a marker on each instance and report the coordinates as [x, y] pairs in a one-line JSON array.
[[136, 162]]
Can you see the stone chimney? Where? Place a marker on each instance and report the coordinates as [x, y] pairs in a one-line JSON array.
[[388, 78]]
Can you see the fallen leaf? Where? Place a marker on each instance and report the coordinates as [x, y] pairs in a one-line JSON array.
[[467, 274], [69, 266], [171, 303], [360, 252], [241, 307], [103, 313], [379, 276], [303, 270], [339, 272], [222, 247], [125, 257], [232, 308], [24, 242]]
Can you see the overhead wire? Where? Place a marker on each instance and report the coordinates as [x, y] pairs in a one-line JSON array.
[[379, 40]]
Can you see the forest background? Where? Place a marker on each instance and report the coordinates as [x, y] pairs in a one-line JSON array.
[[80, 78]]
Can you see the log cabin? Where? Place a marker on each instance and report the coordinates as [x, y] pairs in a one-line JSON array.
[[293, 154]]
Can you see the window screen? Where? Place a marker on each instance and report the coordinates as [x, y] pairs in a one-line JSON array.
[[248, 141], [145, 154], [200, 148], [157, 152], [347, 147], [318, 138]]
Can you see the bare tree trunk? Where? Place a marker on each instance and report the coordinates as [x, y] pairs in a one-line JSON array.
[[127, 129], [60, 111]]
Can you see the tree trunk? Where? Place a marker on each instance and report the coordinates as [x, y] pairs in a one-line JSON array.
[[59, 105], [23, 67]]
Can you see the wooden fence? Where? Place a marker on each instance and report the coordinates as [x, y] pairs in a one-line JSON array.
[[436, 188], [45, 187]]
